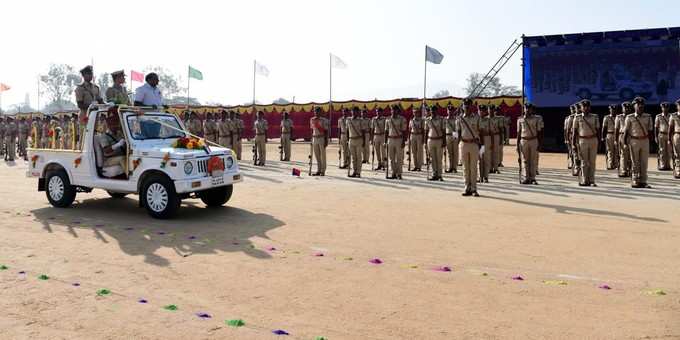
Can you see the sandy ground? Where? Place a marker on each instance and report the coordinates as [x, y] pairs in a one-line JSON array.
[[256, 260]]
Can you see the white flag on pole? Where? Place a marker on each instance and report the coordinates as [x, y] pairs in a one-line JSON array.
[[433, 56], [261, 69], [336, 62]]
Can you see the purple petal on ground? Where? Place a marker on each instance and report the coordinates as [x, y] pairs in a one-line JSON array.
[[518, 278], [443, 269], [203, 315], [318, 254], [75, 284], [192, 237], [280, 332], [142, 301], [376, 261], [271, 248], [161, 233], [605, 287], [22, 273]]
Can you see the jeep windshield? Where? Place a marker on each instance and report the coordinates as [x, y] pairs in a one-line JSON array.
[[154, 126]]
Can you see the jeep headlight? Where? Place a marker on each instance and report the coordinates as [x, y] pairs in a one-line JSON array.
[[188, 168], [229, 162]]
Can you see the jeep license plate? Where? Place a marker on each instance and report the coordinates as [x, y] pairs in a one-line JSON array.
[[217, 181]]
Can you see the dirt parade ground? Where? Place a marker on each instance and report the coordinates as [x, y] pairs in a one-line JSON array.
[[342, 258]]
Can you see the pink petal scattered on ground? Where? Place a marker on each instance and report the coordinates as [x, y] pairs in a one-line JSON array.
[[443, 269], [271, 248], [518, 278], [318, 254], [376, 261], [605, 287]]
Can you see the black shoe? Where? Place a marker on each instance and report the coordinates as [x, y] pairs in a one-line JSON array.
[[475, 194], [399, 177], [503, 166], [593, 185], [441, 179], [357, 176], [352, 175], [467, 193], [448, 171], [342, 167], [583, 184], [390, 177], [455, 170], [486, 180], [315, 174], [364, 162], [534, 182], [322, 174], [525, 182], [646, 186], [432, 178]]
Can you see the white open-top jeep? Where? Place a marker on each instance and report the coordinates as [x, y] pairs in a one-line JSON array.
[[150, 153]]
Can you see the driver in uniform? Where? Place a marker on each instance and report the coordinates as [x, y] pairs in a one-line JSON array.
[[112, 142]]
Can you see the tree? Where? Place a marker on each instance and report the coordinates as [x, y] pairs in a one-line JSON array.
[[59, 83], [168, 82], [495, 87], [103, 82], [281, 101], [442, 94]]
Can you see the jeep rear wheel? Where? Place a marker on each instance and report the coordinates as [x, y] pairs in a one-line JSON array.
[[58, 188], [159, 197], [216, 197]]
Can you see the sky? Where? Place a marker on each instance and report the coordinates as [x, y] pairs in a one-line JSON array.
[[381, 41]]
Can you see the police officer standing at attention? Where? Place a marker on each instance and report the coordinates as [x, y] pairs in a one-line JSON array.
[[416, 126], [451, 123], [529, 137], [195, 126], [149, 94], [356, 142], [24, 129], [637, 132], [117, 93], [586, 132], [395, 130], [624, 152], [366, 128], [343, 139], [11, 131], [210, 128], [320, 138], [224, 130], [260, 128], [86, 94], [663, 140], [609, 137], [378, 137], [486, 141], [435, 131], [286, 136], [237, 127], [469, 132], [674, 132]]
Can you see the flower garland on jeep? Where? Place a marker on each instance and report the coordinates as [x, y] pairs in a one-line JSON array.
[[188, 143]]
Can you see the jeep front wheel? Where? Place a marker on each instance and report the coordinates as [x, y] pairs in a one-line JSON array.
[[159, 197], [59, 190], [216, 197]]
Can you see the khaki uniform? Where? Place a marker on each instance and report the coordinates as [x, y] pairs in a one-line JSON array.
[[366, 127], [436, 132], [195, 127], [675, 122], [395, 128], [11, 132], [451, 125], [36, 134], [286, 136], [662, 125], [236, 134], [528, 129], [356, 143], [45, 135], [609, 136], [260, 127], [24, 129], [624, 151], [344, 141], [87, 93], [415, 143], [3, 128], [224, 133], [320, 127], [639, 128], [498, 139], [541, 126], [69, 135], [485, 124], [587, 126], [469, 148], [574, 162], [117, 94], [378, 129], [210, 130]]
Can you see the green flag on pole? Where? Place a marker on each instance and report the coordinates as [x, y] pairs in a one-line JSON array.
[[194, 73]]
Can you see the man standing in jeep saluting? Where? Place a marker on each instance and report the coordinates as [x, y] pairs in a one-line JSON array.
[[86, 94]]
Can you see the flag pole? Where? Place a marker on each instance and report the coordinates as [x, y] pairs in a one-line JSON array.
[[425, 81], [188, 84], [254, 70], [330, 93]]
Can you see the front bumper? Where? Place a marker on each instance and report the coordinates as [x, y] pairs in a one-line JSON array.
[[205, 183]]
